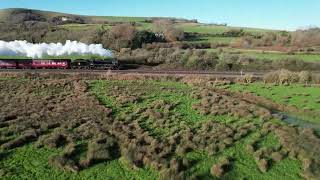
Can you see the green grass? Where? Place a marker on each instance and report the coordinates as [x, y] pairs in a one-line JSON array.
[[83, 27], [270, 55], [212, 39], [244, 165], [214, 29], [269, 141], [29, 162], [282, 56], [293, 95], [118, 18]]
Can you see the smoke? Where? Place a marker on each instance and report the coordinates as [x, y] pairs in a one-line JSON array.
[[23, 48]]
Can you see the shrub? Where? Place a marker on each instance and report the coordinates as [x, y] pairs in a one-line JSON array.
[[217, 171], [250, 148], [286, 77], [304, 77], [220, 168], [63, 163], [26, 137], [263, 165], [276, 156], [171, 174], [54, 140], [248, 78], [69, 150], [166, 28], [309, 37]]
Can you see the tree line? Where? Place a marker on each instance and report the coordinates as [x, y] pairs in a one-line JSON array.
[[122, 35]]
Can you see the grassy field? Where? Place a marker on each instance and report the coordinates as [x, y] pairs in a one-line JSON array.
[[85, 26], [119, 18], [211, 127], [304, 98], [211, 39], [214, 29], [281, 56], [269, 55]]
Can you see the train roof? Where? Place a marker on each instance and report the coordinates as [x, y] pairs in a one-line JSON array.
[[31, 59]]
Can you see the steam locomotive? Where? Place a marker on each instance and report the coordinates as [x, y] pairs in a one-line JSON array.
[[58, 64]]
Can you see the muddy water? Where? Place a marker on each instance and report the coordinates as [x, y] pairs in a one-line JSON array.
[[298, 122]]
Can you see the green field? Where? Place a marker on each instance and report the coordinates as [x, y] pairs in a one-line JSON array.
[[269, 55], [279, 56], [304, 98], [160, 110], [214, 29]]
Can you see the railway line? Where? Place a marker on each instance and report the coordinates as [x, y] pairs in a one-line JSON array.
[[142, 71]]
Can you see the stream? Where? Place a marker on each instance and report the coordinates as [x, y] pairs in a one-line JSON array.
[[298, 122]]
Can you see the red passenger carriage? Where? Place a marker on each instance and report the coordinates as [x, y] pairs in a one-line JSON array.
[[51, 64], [7, 64]]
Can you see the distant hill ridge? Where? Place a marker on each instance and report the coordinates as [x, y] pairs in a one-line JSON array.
[[19, 15]]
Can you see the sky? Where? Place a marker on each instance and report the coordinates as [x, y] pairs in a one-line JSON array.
[[271, 14]]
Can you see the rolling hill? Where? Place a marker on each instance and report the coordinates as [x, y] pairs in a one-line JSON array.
[[17, 15]]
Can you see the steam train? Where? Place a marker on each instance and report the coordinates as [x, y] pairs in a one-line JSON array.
[[58, 64]]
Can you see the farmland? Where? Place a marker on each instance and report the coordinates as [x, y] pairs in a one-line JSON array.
[[270, 55], [112, 126], [150, 128], [180, 43], [304, 100]]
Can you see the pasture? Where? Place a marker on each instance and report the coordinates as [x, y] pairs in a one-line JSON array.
[[147, 129]]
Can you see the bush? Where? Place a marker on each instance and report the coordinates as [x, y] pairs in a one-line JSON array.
[[221, 168], [287, 77], [171, 174], [263, 165], [165, 27], [54, 140], [26, 137], [276, 156], [63, 163], [306, 38], [143, 37], [305, 77]]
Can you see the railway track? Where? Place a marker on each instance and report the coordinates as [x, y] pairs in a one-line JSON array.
[[155, 72]]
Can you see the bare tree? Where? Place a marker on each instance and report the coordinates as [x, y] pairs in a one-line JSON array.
[[166, 28], [306, 38], [123, 32]]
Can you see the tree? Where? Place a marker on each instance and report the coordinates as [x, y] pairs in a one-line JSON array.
[[120, 36], [123, 32], [306, 38], [168, 30], [143, 37]]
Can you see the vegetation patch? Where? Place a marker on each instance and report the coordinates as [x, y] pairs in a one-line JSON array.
[[304, 98], [151, 129]]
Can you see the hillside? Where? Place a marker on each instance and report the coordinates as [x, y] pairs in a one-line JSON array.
[[17, 15], [244, 48], [38, 15]]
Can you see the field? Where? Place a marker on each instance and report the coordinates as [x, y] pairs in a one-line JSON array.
[[281, 56], [270, 55], [127, 128], [305, 100], [215, 29], [211, 37]]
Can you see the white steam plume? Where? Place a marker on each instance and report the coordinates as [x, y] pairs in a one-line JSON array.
[[23, 48]]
